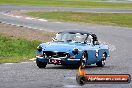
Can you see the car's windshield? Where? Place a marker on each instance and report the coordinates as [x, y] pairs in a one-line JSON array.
[[71, 37]]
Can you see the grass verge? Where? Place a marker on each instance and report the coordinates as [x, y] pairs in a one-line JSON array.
[[116, 19], [16, 50], [69, 3]]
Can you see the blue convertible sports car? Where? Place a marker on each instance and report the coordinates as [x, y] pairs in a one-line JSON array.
[[72, 49]]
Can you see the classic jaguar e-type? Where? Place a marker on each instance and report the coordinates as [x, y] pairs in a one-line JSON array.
[[72, 48]]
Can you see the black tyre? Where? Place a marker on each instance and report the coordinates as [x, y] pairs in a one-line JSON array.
[[84, 60], [41, 64], [102, 62]]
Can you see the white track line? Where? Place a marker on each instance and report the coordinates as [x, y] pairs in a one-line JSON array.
[[8, 63], [22, 17], [33, 59], [111, 46]]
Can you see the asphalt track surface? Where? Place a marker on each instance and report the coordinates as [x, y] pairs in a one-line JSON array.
[[28, 75]]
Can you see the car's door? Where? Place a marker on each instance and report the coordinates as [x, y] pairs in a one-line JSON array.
[[93, 53]]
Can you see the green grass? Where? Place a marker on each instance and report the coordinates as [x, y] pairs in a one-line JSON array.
[[16, 50], [116, 19], [69, 3]]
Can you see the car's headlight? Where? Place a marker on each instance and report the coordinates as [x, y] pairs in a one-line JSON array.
[[75, 51], [39, 48]]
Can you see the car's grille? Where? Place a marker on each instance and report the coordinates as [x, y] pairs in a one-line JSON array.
[[55, 54]]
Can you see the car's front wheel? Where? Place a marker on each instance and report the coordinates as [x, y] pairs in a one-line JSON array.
[[41, 64], [102, 62], [84, 59]]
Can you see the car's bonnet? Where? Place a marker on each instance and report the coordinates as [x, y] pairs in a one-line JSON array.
[[63, 47]]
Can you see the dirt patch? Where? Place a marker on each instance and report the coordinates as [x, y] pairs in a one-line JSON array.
[[26, 33]]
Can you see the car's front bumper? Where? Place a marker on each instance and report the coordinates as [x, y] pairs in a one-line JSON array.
[[58, 61]]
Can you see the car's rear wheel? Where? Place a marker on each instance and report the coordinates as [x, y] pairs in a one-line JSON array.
[[102, 62], [84, 60], [41, 64]]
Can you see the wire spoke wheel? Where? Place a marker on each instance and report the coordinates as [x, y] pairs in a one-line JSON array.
[[84, 60], [103, 59], [102, 62]]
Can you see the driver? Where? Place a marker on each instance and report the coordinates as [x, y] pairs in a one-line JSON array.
[[94, 39], [90, 38]]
